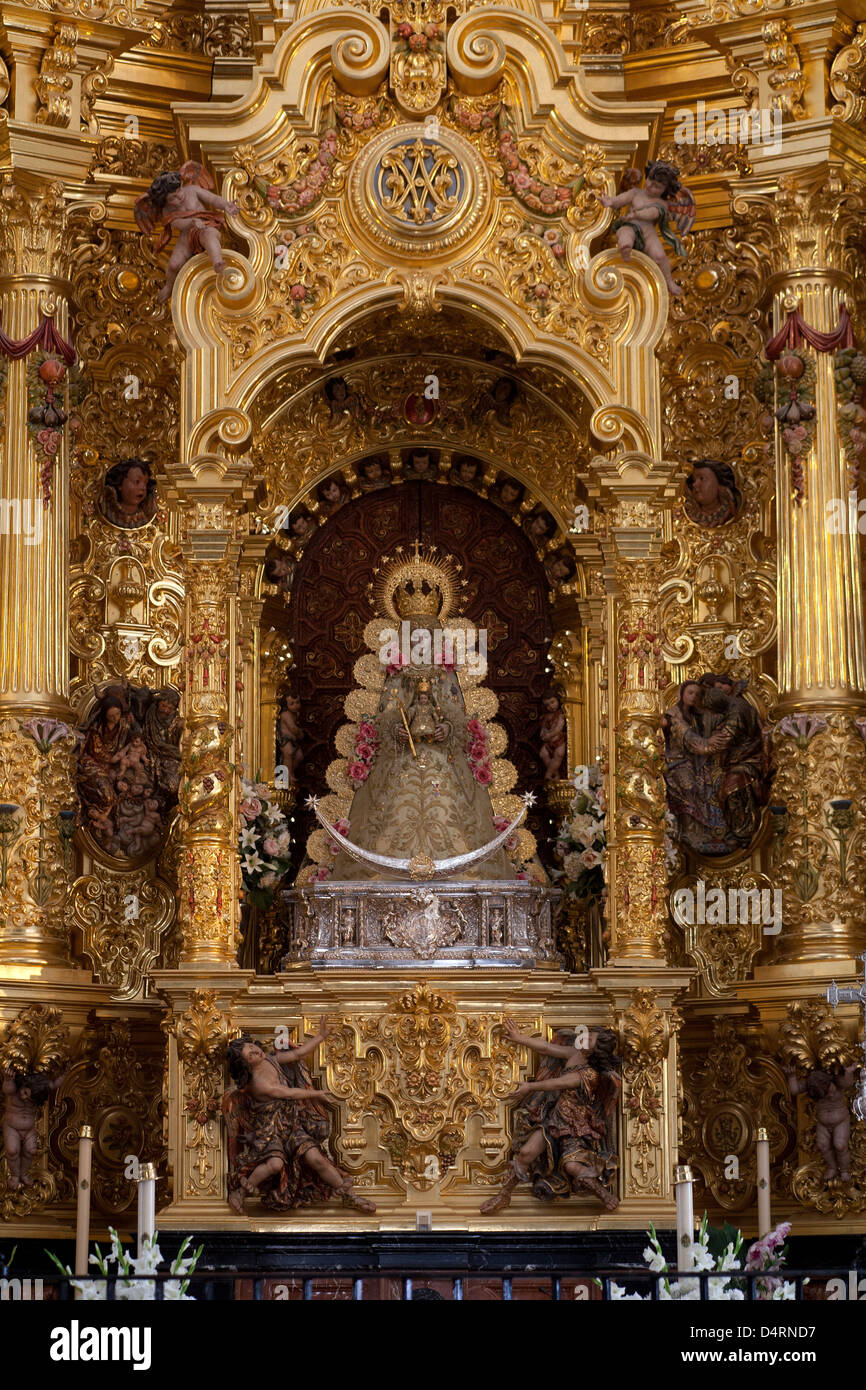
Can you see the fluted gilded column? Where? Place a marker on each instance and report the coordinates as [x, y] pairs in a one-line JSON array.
[[36, 763], [634, 490], [810, 235], [208, 865]]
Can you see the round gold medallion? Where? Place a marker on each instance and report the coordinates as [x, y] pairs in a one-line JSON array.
[[419, 194]]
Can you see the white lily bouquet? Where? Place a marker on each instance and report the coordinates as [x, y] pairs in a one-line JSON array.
[[765, 1254], [263, 843], [138, 1289]]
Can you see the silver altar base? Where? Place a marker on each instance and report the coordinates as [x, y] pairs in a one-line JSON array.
[[440, 925]]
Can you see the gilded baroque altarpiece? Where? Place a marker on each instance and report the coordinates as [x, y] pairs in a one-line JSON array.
[[407, 213]]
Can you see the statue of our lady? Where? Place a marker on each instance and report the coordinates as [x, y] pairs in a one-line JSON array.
[[422, 765]]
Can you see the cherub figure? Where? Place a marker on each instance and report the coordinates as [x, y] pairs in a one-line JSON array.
[[143, 831], [654, 211], [564, 1131], [553, 735], [832, 1116], [184, 198], [290, 736], [25, 1095], [277, 1131]]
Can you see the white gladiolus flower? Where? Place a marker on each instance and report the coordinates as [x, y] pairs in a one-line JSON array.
[[655, 1259]]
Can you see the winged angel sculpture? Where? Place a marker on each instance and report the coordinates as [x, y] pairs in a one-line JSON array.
[[184, 198], [653, 216]]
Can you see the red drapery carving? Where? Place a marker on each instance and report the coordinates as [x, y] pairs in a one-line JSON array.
[[45, 336], [795, 331]]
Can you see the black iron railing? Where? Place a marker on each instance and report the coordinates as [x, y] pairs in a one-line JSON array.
[[566, 1285]]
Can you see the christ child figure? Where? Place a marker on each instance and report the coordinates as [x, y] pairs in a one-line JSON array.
[[423, 723], [133, 766], [24, 1097], [184, 198], [651, 214]]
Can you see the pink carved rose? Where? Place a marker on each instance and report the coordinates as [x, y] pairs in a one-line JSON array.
[[298, 292], [404, 30]]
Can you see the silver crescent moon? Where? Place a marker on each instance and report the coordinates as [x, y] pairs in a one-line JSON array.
[[401, 868]]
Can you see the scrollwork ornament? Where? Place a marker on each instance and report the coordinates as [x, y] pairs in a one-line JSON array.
[[645, 1034], [202, 1032], [421, 1068]]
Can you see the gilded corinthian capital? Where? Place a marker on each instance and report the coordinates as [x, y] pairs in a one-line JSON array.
[[32, 230], [812, 223]]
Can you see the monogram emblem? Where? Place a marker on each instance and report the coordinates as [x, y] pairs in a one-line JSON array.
[[419, 182]]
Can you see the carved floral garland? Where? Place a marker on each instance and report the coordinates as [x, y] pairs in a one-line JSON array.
[[411, 40], [308, 187], [791, 381], [539, 196], [849, 370], [47, 380]]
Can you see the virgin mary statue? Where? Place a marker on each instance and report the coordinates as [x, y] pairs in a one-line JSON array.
[[421, 766]]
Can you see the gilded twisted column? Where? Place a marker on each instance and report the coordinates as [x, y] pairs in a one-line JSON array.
[[810, 237], [635, 489], [37, 766], [208, 866]]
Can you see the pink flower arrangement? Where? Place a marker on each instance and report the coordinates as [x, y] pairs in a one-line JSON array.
[[342, 828], [366, 744], [264, 843], [766, 1252], [478, 753]]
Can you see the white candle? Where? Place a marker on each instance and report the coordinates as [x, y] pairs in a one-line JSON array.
[[146, 1204], [82, 1224], [683, 1187], [765, 1223]]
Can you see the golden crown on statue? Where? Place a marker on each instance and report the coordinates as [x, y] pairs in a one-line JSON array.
[[421, 585]]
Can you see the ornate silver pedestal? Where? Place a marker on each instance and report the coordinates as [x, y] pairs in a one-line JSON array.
[[443, 925]]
